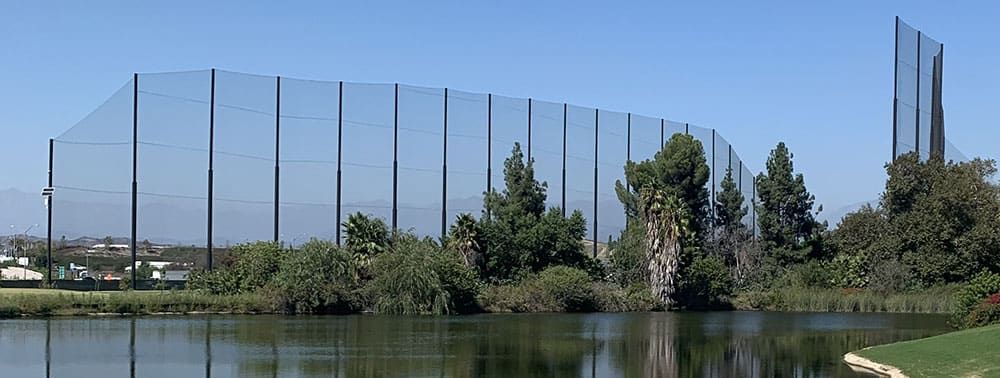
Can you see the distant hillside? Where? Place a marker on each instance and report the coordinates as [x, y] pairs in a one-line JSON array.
[[833, 217]]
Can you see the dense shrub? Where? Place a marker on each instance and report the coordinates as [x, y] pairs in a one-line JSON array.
[[972, 295], [706, 283], [627, 263], [418, 277], [518, 236], [524, 296], [318, 278], [569, 287], [566, 289], [986, 313], [247, 268]]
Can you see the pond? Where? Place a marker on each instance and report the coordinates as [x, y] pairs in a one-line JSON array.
[[711, 344]]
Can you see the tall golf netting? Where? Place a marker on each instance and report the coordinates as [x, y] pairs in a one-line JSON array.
[[173, 117], [645, 138], [547, 147], [918, 113], [705, 136], [509, 126], [468, 150], [421, 159], [367, 179], [906, 89], [580, 163], [291, 160], [612, 152], [722, 161], [246, 108], [92, 173], [307, 157]]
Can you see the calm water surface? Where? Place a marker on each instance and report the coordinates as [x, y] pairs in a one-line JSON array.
[[717, 344]]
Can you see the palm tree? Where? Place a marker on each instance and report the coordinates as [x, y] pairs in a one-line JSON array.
[[462, 238], [666, 224], [365, 237]]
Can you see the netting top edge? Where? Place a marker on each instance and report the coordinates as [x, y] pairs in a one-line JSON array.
[[421, 87], [666, 121]]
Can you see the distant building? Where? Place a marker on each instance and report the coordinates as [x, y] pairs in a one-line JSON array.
[[171, 275], [17, 273]]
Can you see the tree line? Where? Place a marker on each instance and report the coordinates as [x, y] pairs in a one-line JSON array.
[[935, 225]]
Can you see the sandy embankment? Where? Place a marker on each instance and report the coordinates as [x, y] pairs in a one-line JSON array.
[[858, 363]]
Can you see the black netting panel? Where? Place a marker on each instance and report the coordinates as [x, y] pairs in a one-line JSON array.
[[704, 136], [611, 156], [308, 159], [510, 125], [305, 121], [546, 148], [580, 155], [92, 172], [645, 137], [670, 128], [245, 118], [174, 117], [468, 146], [368, 145], [421, 151]]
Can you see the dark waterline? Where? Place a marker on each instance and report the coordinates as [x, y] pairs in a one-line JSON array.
[[711, 344]]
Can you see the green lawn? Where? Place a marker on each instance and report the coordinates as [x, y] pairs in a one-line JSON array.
[[969, 353]]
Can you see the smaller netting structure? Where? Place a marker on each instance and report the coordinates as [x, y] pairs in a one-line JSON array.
[[219, 158], [918, 113]]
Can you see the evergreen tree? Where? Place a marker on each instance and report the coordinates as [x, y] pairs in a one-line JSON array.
[[729, 208], [679, 170], [788, 228], [517, 235]]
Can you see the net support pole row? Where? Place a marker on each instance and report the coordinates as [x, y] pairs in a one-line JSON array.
[[895, 93], [277, 144], [596, 138], [444, 171], [48, 232], [340, 150], [211, 171], [563, 199], [662, 121], [916, 128], [489, 147], [529, 129], [712, 206], [135, 160], [628, 147], [395, 157]]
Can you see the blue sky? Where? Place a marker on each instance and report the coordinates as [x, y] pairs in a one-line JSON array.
[[817, 75]]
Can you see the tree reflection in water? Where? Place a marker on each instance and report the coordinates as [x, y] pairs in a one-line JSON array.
[[538, 345]]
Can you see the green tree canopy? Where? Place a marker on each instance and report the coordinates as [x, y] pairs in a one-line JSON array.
[[517, 236], [729, 207], [678, 170], [788, 228]]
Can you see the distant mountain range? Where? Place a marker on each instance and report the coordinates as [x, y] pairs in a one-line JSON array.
[[86, 218], [834, 217]]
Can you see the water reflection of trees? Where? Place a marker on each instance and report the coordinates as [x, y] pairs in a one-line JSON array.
[[661, 344], [671, 345]]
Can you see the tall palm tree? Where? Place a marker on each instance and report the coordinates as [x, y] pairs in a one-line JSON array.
[[462, 238], [666, 224]]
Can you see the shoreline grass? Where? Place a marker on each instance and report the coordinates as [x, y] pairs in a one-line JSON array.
[[966, 353], [57, 302], [54, 302], [939, 300]]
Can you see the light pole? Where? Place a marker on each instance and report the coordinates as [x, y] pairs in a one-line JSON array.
[[13, 243], [25, 266]]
